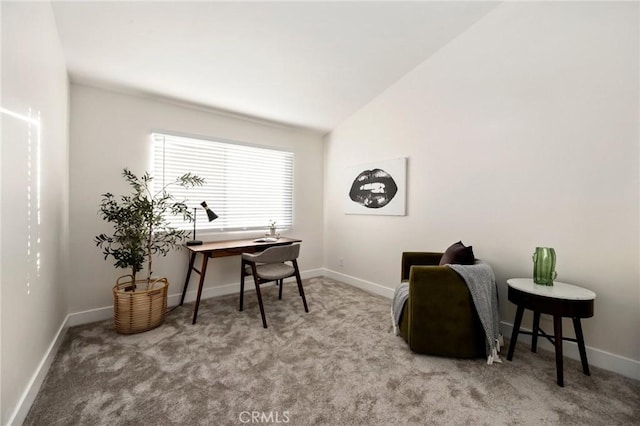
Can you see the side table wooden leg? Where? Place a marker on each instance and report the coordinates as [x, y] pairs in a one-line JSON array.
[[186, 281], [557, 329], [535, 331], [577, 326], [205, 259], [514, 333]]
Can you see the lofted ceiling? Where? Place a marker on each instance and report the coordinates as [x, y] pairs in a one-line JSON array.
[[305, 64]]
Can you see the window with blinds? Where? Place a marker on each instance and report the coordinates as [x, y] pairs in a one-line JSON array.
[[246, 186]]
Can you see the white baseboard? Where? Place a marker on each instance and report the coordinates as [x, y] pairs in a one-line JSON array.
[[100, 314], [33, 387], [92, 315], [618, 364], [361, 284]]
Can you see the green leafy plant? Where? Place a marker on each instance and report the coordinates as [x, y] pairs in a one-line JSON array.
[[141, 229]]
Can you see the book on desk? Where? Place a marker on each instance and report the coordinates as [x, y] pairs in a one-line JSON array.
[[266, 240]]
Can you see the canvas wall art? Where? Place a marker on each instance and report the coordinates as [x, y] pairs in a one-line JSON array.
[[378, 188]]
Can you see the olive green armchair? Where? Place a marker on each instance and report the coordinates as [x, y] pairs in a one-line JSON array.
[[439, 317]]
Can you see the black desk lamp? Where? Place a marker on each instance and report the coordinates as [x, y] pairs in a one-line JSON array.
[[210, 215]]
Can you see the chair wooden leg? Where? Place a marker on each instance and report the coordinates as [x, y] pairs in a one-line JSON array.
[[256, 281], [300, 289], [280, 282], [264, 320], [241, 285]]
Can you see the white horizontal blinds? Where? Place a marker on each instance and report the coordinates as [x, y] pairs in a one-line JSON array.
[[247, 187]]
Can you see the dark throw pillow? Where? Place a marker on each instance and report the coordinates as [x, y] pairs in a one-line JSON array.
[[458, 253]]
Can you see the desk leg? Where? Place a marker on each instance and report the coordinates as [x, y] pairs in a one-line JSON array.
[[557, 329], [514, 333], [186, 281], [534, 333], [577, 326], [203, 270]]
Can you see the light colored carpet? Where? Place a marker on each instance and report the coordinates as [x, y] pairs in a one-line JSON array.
[[336, 365]]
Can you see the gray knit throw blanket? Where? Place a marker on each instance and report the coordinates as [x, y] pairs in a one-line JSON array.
[[400, 296], [484, 292]]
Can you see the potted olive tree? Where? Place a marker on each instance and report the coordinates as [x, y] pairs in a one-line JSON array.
[[141, 231]]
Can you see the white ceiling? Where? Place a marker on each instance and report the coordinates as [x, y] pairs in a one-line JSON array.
[[303, 64]]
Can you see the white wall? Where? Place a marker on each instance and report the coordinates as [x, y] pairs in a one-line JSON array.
[[33, 298], [521, 132], [111, 130]]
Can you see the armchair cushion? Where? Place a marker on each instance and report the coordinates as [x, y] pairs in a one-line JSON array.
[[458, 253]]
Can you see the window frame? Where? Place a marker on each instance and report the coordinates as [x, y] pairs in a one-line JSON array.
[[214, 227]]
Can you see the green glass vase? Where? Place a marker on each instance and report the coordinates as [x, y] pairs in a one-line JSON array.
[[544, 266]]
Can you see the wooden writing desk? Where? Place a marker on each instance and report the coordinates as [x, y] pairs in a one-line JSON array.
[[223, 249]]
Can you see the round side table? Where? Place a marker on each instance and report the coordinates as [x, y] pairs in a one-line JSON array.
[[559, 300]]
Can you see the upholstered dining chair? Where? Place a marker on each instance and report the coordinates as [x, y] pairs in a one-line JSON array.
[[272, 264]]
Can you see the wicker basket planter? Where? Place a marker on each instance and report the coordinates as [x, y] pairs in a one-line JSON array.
[[142, 309]]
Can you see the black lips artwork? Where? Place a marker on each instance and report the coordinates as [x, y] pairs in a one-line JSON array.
[[373, 189]]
